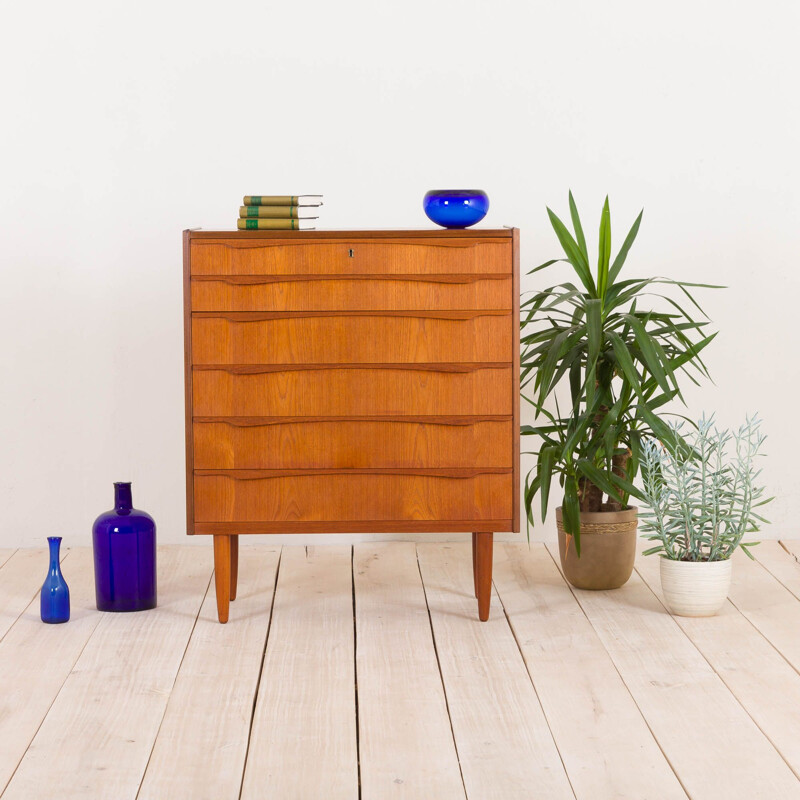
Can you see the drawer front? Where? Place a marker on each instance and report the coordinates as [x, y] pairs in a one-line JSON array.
[[332, 391], [365, 337], [260, 257], [307, 293], [318, 496], [298, 443]]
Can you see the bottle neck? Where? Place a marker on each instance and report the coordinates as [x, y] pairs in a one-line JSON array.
[[123, 502], [55, 549]]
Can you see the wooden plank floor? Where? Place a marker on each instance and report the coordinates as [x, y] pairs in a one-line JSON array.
[[363, 674]]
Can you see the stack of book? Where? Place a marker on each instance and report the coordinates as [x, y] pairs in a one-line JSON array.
[[279, 212]]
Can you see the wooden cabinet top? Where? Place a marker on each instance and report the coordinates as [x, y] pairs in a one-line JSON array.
[[399, 233]]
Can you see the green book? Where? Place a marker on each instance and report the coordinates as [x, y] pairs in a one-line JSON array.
[[279, 212], [256, 224], [283, 200]]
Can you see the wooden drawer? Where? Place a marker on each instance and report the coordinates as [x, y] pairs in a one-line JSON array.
[[342, 293], [293, 257], [252, 391], [298, 495], [353, 337], [341, 442], [343, 381]]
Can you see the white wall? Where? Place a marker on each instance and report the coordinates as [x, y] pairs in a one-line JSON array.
[[124, 124]]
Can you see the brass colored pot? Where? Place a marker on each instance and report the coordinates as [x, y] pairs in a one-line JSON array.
[[608, 548]]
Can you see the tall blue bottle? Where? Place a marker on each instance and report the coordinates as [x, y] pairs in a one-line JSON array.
[[124, 541], [54, 600]]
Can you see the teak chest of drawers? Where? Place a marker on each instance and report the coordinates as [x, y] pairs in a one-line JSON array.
[[342, 381]]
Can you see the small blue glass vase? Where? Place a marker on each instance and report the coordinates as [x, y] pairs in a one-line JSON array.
[[54, 603], [455, 208], [124, 541]]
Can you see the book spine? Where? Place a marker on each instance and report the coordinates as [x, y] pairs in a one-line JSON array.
[[272, 212], [267, 224], [270, 200]]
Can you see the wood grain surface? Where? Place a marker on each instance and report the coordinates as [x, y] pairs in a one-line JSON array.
[[364, 256], [356, 526], [515, 372], [21, 577], [294, 442], [375, 679], [341, 390], [603, 739], [350, 292], [504, 743], [337, 234], [354, 381], [303, 740], [36, 659], [187, 377], [356, 337], [754, 671], [96, 739], [406, 747], [207, 721], [687, 706], [352, 495]]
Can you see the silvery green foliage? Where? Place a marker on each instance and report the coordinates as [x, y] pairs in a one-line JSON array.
[[701, 503]]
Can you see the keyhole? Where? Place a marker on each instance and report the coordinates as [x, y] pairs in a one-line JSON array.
[[351, 253]]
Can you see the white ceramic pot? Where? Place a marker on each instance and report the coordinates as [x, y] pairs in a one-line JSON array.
[[695, 588]]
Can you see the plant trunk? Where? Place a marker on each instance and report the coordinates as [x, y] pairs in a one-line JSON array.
[[591, 497], [619, 466]]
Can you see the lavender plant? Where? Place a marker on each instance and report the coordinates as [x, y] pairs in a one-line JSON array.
[[701, 503]]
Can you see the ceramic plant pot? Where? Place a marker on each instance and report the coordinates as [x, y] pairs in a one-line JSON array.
[[608, 549], [695, 588]]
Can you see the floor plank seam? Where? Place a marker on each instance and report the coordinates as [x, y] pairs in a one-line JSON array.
[[773, 575], [9, 556], [760, 603], [33, 598], [16, 619], [721, 679], [439, 667], [764, 635], [760, 632], [535, 690], [174, 681], [621, 677], [52, 703], [355, 663], [789, 552], [260, 671]]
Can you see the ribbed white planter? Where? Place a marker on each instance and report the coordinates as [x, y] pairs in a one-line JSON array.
[[695, 588]]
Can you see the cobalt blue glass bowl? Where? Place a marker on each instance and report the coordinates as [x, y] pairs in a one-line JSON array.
[[455, 208]]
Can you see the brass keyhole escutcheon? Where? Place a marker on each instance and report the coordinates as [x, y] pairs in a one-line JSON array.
[[351, 253]]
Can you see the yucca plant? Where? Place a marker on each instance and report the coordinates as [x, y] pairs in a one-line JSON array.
[[621, 361]]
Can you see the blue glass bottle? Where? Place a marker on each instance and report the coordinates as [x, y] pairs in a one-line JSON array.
[[124, 541], [54, 602]]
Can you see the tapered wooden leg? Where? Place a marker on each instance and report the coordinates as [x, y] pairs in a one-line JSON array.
[[475, 563], [234, 564], [483, 571], [222, 574]]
